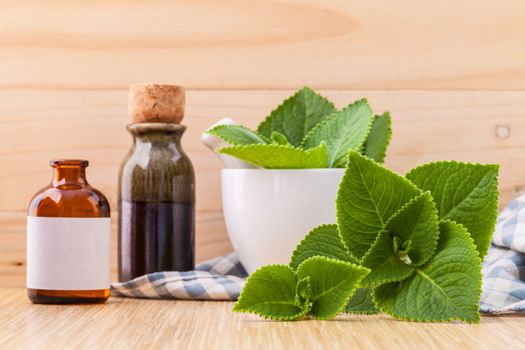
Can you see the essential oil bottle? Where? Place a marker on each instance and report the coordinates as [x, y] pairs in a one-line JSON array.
[[68, 239], [156, 186]]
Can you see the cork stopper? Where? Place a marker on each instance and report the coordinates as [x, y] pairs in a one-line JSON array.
[[154, 103]]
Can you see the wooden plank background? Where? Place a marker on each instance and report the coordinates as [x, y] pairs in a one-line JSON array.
[[451, 73]]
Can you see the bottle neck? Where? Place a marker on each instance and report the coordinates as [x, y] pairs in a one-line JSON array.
[[158, 133], [69, 173]]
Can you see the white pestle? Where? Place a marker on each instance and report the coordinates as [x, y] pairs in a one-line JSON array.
[[215, 143]]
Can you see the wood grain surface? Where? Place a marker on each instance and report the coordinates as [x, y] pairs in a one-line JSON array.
[[476, 126], [236, 44], [138, 324]]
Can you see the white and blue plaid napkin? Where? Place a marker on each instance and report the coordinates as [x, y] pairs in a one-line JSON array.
[[216, 279], [222, 278], [504, 265]]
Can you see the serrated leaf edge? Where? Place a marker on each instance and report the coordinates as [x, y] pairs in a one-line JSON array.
[[436, 216], [495, 196], [222, 150], [358, 281], [454, 162], [415, 319], [268, 317], [213, 131], [375, 312], [389, 138], [332, 163], [384, 280], [270, 116], [309, 289], [342, 162], [368, 312], [275, 135], [296, 250], [283, 318], [346, 174], [331, 115], [307, 152]]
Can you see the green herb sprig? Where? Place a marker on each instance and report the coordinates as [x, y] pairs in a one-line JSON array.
[[408, 246], [307, 131]]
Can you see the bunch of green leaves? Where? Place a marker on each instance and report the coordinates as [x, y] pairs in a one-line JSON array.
[[307, 131], [408, 246]]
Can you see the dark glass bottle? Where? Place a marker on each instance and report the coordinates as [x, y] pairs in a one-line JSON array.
[[68, 239], [156, 203]]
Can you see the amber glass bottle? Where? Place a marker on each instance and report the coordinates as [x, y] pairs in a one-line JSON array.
[[68, 239]]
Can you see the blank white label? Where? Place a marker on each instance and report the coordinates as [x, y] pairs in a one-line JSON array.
[[68, 253]]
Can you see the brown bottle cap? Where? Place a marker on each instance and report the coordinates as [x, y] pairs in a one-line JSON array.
[[154, 103]]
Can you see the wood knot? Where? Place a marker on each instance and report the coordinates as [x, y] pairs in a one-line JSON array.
[[502, 131]]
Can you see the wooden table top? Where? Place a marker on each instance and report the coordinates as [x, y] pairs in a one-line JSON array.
[[133, 323]]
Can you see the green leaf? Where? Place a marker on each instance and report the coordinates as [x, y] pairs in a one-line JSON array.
[[237, 134], [446, 288], [342, 131], [273, 156], [369, 195], [410, 239], [361, 302], [270, 292], [379, 138], [303, 293], [417, 222], [324, 241], [465, 193], [332, 284], [384, 263], [279, 138], [297, 115]]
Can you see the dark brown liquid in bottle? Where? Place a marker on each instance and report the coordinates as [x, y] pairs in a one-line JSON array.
[[156, 203], [156, 237], [68, 195]]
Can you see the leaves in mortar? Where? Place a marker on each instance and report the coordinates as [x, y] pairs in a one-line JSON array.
[[237, 134], [279, 138], [271, 292], [465, 193], [361, 302], [379, 138], [342, 131], [324, 241], [297, 115], [369, 194], [332, 284], [446, 288], [274, 156]]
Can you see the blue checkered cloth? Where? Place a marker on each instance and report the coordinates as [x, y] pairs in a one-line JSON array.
[[216, 279], [504, 266], [222, 278]]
